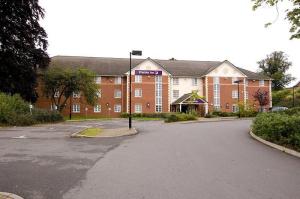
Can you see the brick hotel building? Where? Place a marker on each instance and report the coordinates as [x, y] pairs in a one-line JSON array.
[[162, 86]]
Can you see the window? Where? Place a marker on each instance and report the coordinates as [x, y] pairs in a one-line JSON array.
[[97, 108], [175, 94], [76, 95], [261, 82], [76, 108], [98, 80], [246, 82], [98, 93], [138, 78], [158, 94], [137, 108], [53, 107], [216, 86], [138, 92], [246, 95], [118, 93], [175, 81], [118, 80], [235, 108], [195, 82], [235, 94], [56, 94], [117, 108], [234, 79]]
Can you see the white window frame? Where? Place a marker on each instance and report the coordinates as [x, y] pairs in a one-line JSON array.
[[138, 92], [175, 94], [158, 94], [235, 94], [175, 81], [246, 82], [76, 108], [117, 108], [262, 82], [53, 107], [98, 80], [117, 93], [97, 108], [246, 95], [235, 108], [138, 108], [138, 78], [195, 81], [216, 91], [118, 80]]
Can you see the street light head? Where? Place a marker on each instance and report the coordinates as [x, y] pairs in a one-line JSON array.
[[237, 81], [137, 52]]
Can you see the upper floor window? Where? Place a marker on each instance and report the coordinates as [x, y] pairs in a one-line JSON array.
[[195, 82], [234, 79], [235, 94], [175, 94], [98, 93], [98, 80], [138, 78], [118, 80], [216, 80], [261, 82], [117, 93], [246, 82], [138, 92], [175, 81]]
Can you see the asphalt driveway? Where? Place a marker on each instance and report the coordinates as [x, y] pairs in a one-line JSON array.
[[165, 161]]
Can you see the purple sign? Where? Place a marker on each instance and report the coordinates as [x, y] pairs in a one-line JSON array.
[[148, 72]]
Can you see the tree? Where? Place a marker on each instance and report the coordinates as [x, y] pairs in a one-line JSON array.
[[23, 43], [59, 84], [262, 97], [276, 66], [292, 14]]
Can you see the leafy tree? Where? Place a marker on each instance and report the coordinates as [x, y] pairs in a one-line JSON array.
[[59, 84], [276, 66], [23, 43], [262, 97], [292, 14]]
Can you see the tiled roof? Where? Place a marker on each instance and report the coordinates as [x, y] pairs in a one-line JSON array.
[[119, 66]]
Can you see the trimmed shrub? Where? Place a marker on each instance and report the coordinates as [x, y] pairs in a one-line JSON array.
[[44, 116], [175, 117], [150, 115], [223, 114], [292, 111], [279, 128]]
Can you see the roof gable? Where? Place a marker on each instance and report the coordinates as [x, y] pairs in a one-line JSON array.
[[149, 64], [225, 69]]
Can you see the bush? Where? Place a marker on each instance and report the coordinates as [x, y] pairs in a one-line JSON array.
[[292, 111], [175, 117], [44, 116], [15, 111], [149, 115], [223, 114], [279, 128]]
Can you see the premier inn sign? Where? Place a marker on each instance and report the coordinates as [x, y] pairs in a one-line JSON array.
[[148, 72]]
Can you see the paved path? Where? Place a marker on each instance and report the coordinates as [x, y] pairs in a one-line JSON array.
[[192, 161]]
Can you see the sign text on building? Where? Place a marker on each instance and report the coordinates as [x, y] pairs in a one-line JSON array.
[[148, 72]]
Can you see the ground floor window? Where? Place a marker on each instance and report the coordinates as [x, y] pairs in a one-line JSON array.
[[138, 108], [76, 108], [97, 108], [117, 108], [235, 108], [158, 108]]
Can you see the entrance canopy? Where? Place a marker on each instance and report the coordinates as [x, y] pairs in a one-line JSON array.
[[188, 99]]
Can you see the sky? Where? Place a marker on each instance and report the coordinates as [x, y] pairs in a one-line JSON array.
[[205, 30]]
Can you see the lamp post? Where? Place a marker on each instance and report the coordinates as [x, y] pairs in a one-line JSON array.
[[238, 82], [137, 53]]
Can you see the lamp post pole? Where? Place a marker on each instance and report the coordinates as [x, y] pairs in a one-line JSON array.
[[137, 53], [130, 119]]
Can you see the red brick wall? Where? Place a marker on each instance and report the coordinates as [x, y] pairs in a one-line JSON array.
[[226, 88], [148, 94]]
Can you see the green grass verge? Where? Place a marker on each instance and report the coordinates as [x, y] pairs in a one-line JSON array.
[[91, 132]]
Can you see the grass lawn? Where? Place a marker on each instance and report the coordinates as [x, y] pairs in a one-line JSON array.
[[91, 132]]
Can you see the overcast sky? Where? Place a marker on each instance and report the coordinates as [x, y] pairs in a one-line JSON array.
[[206, 30]]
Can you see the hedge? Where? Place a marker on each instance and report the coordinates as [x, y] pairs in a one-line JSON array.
[[280, 128], [176, 117], [15, 111], [150, 115]]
